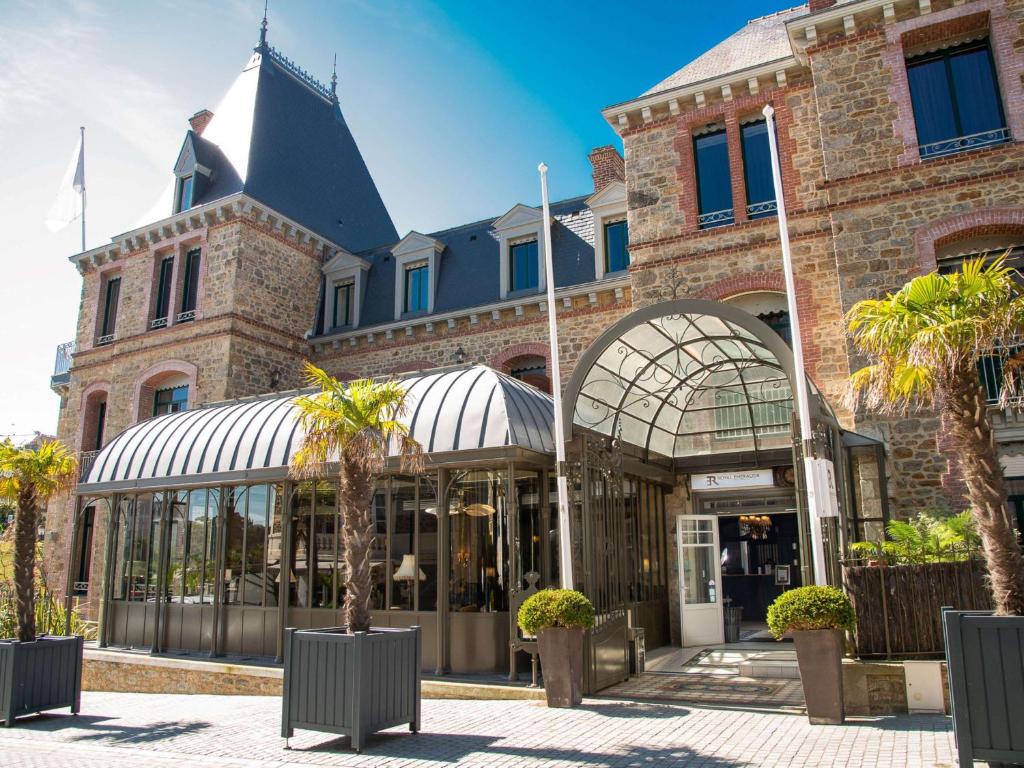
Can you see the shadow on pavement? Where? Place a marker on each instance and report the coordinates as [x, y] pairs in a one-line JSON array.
[[635, 709], [453, 747], [112, 734]]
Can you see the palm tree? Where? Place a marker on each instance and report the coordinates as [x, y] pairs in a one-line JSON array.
[[30, 476], [925, 342], [355, 424]]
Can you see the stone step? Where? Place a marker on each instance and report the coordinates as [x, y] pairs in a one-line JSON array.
[[770, 668]]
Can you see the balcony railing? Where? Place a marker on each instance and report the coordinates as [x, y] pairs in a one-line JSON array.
[[85, 461], [965, 143], [186, 316], [62, 364], [992, 372], [716, 219], [102, 341], [762, 210], [160, 322]]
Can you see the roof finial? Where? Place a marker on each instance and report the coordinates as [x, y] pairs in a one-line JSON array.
[[263, 27], [334, 80]]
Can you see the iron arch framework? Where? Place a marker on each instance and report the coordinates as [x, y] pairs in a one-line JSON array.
[[688, 378]]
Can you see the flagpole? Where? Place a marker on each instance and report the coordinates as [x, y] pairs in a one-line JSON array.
[[82, 129], [564, 523], [800, 373]]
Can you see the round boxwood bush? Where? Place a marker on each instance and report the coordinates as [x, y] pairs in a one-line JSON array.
[[811, 607], [555, 608]]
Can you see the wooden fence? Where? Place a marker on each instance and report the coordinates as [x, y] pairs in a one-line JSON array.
[[899, 607]]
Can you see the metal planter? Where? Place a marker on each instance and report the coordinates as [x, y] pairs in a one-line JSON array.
[[38, 676], [819, 652], [561, 658], [354, 685], [985, 659]]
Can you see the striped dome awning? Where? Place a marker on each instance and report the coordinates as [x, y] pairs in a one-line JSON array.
[[449, 410]]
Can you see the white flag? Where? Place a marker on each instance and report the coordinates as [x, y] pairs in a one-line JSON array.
[[70, 199]]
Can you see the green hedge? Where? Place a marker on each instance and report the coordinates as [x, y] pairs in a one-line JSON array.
[[811, 607], [555, 608]]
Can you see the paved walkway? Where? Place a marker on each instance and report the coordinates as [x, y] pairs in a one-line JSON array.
[[151, 730]]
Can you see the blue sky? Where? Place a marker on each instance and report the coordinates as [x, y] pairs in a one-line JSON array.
[[453, 105]]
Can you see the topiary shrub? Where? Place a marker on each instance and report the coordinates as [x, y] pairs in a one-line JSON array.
[[811, 607], [555, 608]]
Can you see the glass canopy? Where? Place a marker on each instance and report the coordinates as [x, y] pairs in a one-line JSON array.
[[686, 378]]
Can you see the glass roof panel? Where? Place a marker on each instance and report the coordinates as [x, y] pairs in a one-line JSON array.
[[688, 384]]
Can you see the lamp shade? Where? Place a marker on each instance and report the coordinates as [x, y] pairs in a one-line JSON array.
[[407, 570]]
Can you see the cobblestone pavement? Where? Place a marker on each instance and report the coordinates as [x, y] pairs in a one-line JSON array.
[[157, 730]]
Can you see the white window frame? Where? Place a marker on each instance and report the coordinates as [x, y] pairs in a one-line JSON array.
[[607, 206], [344, 267], [411, 250], [519, 225]]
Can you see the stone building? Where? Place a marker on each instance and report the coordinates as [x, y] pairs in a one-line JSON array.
[[899, 125]]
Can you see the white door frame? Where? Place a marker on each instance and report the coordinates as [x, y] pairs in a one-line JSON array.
[[700, 623]]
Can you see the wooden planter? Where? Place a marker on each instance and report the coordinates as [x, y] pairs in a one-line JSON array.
[[819, 653], [38, 676], [354, 685], [985, 659]]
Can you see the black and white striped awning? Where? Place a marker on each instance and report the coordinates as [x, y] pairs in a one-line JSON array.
[[462, 409]]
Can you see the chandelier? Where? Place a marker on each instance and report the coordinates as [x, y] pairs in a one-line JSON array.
[[755, 526]]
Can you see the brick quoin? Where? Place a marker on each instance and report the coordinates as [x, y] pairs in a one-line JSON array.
[[985, 221], [737, 285]]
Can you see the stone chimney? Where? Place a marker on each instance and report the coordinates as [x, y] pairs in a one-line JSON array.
[[608, 166], [200, 120], [820, 5]]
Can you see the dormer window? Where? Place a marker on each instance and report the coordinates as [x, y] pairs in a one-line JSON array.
[[344, 281], [524, 266], [344, 295], [417, 288], [616, 246], [185, 185], [417, 263], [521, 265]]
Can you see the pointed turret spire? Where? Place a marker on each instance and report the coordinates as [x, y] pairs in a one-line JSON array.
[[334, 80], [263, 28]]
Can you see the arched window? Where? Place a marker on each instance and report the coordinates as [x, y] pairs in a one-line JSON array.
[[769, 307], [93, 426], [165, 388], [531, 369]]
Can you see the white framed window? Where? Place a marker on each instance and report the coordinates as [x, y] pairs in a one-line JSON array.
[[521, 248], [345, 280], [417, 261], [611, 236]]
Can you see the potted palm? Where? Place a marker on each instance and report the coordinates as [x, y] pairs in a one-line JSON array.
[[817, 617], [355, 679], [925, 343], [558, 618], [37, 673]]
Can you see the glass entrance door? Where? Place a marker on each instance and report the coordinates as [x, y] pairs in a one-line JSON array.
[[700, 580]]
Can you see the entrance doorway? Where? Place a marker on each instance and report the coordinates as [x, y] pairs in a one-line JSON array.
[[759, 548], [700, 579]]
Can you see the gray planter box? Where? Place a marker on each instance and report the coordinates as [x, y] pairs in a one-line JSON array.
[[985, 658], [41, 675], [354, 685]]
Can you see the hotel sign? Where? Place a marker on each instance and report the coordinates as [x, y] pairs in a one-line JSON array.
[[723, 481]]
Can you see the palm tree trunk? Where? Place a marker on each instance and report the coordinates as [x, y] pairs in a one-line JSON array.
[[357, 532], [25, 563], [972, 433]]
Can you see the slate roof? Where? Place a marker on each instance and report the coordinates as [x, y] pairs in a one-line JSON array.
[[761, 41], [277, 138], [469, 269]]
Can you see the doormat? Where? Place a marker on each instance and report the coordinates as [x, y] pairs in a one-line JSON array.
[[781, 695], [712, 686]]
